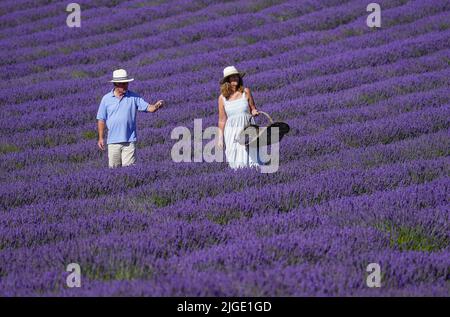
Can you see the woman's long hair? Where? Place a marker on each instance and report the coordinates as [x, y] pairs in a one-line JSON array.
[[225, 88]]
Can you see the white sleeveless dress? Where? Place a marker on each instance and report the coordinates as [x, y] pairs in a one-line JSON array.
[[238, 116]]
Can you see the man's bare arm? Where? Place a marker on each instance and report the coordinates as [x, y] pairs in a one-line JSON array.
[[101, 134], [101, 129]]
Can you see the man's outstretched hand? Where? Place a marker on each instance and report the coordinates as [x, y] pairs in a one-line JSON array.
[[156, 106]]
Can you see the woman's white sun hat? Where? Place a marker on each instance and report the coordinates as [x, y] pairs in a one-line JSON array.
[[120, 76], [228, 71]]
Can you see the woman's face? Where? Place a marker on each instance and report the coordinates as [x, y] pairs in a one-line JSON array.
[[234, 79]]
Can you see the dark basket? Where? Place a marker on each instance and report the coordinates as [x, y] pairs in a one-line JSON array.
[[254, 134]]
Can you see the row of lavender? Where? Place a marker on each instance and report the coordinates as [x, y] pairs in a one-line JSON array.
[[157, 70], [169, 246]]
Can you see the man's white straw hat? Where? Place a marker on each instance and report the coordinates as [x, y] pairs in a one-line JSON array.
[[228, 71], [120, 76]]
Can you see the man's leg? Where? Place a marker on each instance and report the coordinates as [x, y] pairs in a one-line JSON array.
[[114, 155], [129, 154]]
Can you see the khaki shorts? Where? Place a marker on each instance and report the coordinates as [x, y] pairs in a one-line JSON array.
[[121, 154]]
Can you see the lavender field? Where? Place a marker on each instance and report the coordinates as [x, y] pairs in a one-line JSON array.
[[363, 175]]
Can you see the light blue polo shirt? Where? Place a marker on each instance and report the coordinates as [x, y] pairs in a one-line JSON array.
[[120, 115]]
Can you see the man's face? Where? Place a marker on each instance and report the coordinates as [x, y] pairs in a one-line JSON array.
[[121, 88]]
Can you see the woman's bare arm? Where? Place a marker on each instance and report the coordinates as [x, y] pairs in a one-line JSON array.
[[251, 102], [222, 119]]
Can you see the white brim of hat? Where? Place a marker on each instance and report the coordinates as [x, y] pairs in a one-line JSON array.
[[121, 80], [242, 74]]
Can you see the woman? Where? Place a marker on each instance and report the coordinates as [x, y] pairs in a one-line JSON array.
[[236, 108]]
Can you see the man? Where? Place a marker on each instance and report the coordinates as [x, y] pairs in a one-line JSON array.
[[118, 111]]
